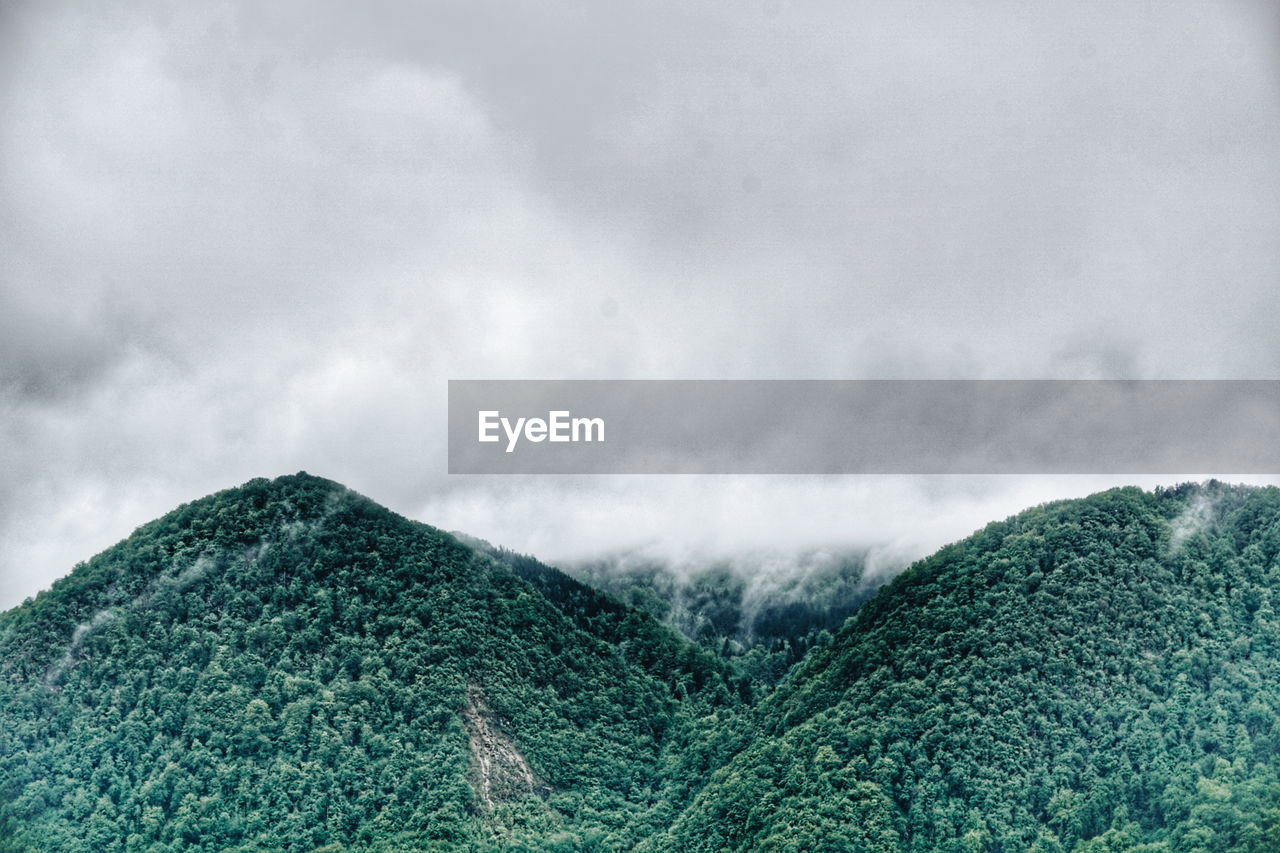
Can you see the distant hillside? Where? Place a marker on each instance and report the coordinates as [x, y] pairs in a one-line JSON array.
[[288, 666], [1093, 675], [765, 610]]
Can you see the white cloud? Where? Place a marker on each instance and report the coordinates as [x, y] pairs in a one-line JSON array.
[[240, 240]]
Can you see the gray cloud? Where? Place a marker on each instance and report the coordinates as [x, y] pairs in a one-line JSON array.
[[239, 240]]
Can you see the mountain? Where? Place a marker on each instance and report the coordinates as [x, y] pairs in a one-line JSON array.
[[288, 666], [1092, 675]]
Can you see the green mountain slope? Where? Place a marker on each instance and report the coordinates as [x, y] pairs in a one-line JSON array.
[[288, 666], [1093, 675]]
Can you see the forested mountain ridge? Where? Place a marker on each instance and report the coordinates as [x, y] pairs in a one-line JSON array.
[[288, 666], [1093, 675]]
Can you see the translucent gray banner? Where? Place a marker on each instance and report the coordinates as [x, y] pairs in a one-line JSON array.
[[864, 427]]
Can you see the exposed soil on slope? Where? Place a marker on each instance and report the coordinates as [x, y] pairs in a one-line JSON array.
[[499, 773]]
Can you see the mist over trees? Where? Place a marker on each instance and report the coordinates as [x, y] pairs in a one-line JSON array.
[[764, 610]]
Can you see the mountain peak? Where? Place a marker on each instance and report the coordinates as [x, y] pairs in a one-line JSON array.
[[287, 665]]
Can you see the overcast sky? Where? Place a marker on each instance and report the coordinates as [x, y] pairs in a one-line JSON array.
[[239, 242]]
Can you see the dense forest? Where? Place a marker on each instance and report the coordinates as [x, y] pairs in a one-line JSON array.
[[288, 666]]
